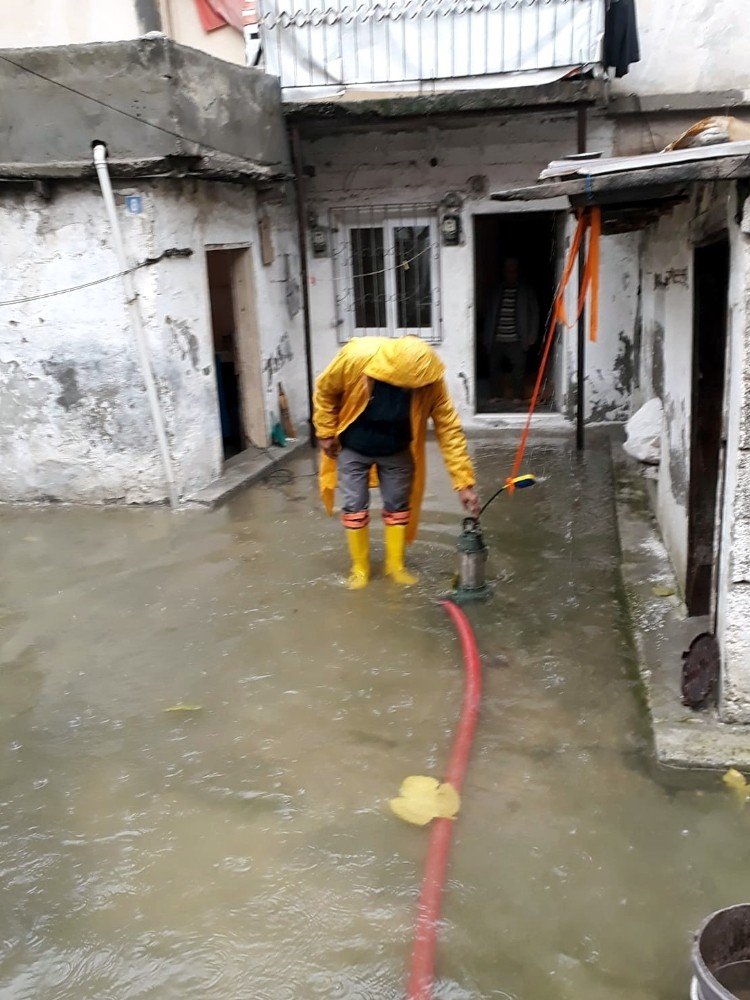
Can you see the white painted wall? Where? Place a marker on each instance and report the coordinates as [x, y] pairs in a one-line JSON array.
[[734, 592], [74, 423], [666, 368], [690, 46], [64, 22], [393, 167], [68, 22]]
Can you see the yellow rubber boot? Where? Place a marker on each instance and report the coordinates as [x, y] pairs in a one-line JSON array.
[[358, 540], [395, 547]]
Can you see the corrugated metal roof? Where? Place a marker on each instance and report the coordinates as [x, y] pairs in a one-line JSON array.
[[602, 179], [595, 167]]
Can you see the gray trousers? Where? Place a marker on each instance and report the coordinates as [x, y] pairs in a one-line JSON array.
[[395, 473]]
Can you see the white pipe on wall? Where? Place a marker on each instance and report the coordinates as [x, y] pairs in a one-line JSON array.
[[131, 297]]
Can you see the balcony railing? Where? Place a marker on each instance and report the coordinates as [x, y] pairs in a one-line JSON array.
[[323, 48]]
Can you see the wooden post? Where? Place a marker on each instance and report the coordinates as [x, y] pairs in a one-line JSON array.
[[581, 360]]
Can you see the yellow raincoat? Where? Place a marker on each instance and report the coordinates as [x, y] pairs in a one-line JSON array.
[[343, 391]]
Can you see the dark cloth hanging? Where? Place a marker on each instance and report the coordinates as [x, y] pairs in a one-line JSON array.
[[621, 47]]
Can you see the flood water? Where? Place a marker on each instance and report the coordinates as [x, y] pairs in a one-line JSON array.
[[245, 849]]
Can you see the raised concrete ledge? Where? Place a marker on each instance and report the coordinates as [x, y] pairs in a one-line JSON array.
[[707, 100], [661, 632], [243, 470], [213, 166], [146, 98]]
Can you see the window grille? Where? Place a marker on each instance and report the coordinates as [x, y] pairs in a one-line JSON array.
[[386, 272]]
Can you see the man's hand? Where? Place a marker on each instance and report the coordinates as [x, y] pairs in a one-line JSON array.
[[470, 500], [329, 446]]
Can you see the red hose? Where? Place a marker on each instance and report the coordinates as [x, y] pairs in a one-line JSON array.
[[422, 973]]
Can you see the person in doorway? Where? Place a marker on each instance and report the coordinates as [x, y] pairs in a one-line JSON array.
[[511, 329], [371, 408]]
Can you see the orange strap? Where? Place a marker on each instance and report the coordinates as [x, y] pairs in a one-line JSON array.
[[590, 219], [357, 520], [397, 517]]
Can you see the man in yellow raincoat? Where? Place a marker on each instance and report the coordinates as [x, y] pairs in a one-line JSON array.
[[371, 408]]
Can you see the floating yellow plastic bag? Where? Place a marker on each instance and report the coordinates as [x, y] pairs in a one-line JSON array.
[[422, 799], [737, 784]]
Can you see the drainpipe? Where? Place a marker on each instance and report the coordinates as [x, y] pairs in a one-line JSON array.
[[302, 240], [136, 322]]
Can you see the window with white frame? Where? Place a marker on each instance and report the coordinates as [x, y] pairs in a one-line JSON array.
[[386, 272]]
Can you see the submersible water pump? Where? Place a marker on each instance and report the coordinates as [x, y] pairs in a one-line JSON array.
[[471, 584]]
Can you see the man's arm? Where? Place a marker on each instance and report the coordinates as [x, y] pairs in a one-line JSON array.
[[455, 452], [327, 405]]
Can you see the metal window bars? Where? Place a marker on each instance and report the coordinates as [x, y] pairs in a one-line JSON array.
[[386, 264], [317, 47]]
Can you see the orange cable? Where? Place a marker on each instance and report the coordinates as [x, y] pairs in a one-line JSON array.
[[591, 217]]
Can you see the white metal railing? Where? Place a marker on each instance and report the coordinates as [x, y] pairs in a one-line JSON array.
[[317, 47]]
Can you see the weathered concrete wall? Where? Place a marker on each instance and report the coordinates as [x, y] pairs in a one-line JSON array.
[[734, 593], [691, 46], [420, 165], [609, 361], [194, 104], [74, 421], [665, 369]]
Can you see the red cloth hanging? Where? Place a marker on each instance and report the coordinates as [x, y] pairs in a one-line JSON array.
[[215, 14]]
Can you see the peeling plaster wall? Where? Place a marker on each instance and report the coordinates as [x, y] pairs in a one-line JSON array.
[[394, 166], [733, 613], [609, 363], [74, 420], [666, 368]]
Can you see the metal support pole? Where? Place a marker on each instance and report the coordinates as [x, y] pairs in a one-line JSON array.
[[136, 321], [302, 240], [581, 353]]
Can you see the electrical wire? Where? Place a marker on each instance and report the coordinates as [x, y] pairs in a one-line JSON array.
[[401, 265], [96, 281], [122, 111], [71, 288]]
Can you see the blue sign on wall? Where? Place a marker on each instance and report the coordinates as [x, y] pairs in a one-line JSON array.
[[133, 204]]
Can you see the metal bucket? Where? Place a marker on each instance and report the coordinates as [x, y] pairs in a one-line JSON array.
[[721, 956]]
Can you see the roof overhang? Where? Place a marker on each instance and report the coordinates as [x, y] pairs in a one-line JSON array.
[[634, 190], [402, 109]]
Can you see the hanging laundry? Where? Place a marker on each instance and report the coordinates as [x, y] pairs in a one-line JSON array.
[[621, 48], [215, 14]]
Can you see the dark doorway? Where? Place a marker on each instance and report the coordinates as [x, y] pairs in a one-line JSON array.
[[220, 272], [505, 382], [710, 288]]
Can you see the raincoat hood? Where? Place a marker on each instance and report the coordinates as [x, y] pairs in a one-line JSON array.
[[406, 362]]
